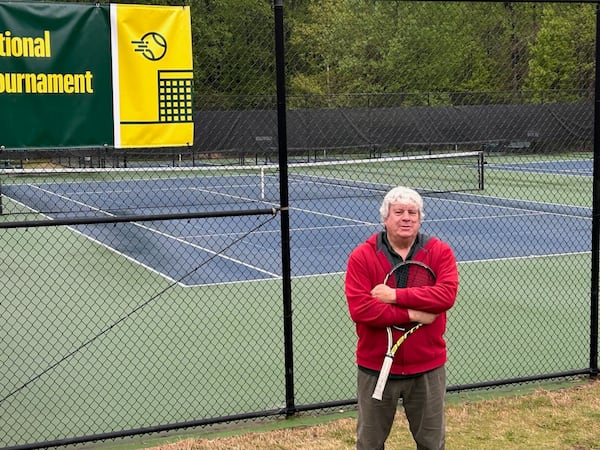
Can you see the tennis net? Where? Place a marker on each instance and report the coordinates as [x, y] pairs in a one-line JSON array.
[[126, 191]]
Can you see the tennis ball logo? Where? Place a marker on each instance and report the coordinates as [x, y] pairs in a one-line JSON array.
[[152, 46]]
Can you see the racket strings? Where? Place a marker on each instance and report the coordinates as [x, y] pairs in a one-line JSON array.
[[411, 274], [419, 277]]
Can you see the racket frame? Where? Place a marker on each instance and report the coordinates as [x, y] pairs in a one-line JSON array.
[[392, 348]]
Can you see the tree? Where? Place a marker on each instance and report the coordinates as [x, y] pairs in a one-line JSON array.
[[562, 55], [233, 52]]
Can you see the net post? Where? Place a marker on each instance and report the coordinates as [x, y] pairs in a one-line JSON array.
[[262, 183], [481, 166]]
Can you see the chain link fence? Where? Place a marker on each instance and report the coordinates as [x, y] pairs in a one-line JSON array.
[[156, 289]]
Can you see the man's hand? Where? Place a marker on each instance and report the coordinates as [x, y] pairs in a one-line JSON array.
[[421, 316], [387, 294], [384, 293]]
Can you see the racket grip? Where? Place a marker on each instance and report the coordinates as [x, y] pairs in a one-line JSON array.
[[383, 376]]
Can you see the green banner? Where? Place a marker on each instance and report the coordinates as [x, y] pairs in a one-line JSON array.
[[66, 75], [55, 75]]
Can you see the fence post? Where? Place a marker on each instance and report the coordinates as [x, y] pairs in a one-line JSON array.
[[290, 407], [595, 212]]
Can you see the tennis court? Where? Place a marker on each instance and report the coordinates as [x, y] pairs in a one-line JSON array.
[[525, 228], [182, 318]]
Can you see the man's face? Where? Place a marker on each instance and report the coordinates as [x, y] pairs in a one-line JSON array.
[[403, 221]]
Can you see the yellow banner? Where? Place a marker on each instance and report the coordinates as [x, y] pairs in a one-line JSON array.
[[152, 75]]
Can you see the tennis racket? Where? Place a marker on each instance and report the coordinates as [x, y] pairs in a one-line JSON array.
[[407, 274]]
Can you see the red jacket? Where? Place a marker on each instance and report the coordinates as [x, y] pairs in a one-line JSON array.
[[425, 349]]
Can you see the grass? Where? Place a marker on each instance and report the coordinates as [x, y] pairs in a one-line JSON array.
[[544, 418]]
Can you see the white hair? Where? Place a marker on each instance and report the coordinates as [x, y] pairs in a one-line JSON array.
[[398, 195]]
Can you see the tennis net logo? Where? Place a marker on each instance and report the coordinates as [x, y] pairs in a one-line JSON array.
[[175, 96], [153, 75]]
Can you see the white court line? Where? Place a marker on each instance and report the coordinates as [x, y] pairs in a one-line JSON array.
[[528, 168], [513, 258], [524, 211], [529, 212], [503, 216], [276, 232], [478, 261], [166, 235], [102, 244], [333, 216], [480, 204], [198, 247]]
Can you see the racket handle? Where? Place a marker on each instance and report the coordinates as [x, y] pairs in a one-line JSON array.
[[383, 376]]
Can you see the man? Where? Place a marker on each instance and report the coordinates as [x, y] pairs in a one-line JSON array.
[[417, 375]]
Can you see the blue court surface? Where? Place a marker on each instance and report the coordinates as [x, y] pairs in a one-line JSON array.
[[581, 167], [320, 245], [323, 232]]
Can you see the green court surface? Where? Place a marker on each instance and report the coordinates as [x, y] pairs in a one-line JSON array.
[[114, 346]]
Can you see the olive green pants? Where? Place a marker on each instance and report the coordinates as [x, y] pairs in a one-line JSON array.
[[423, 402]]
